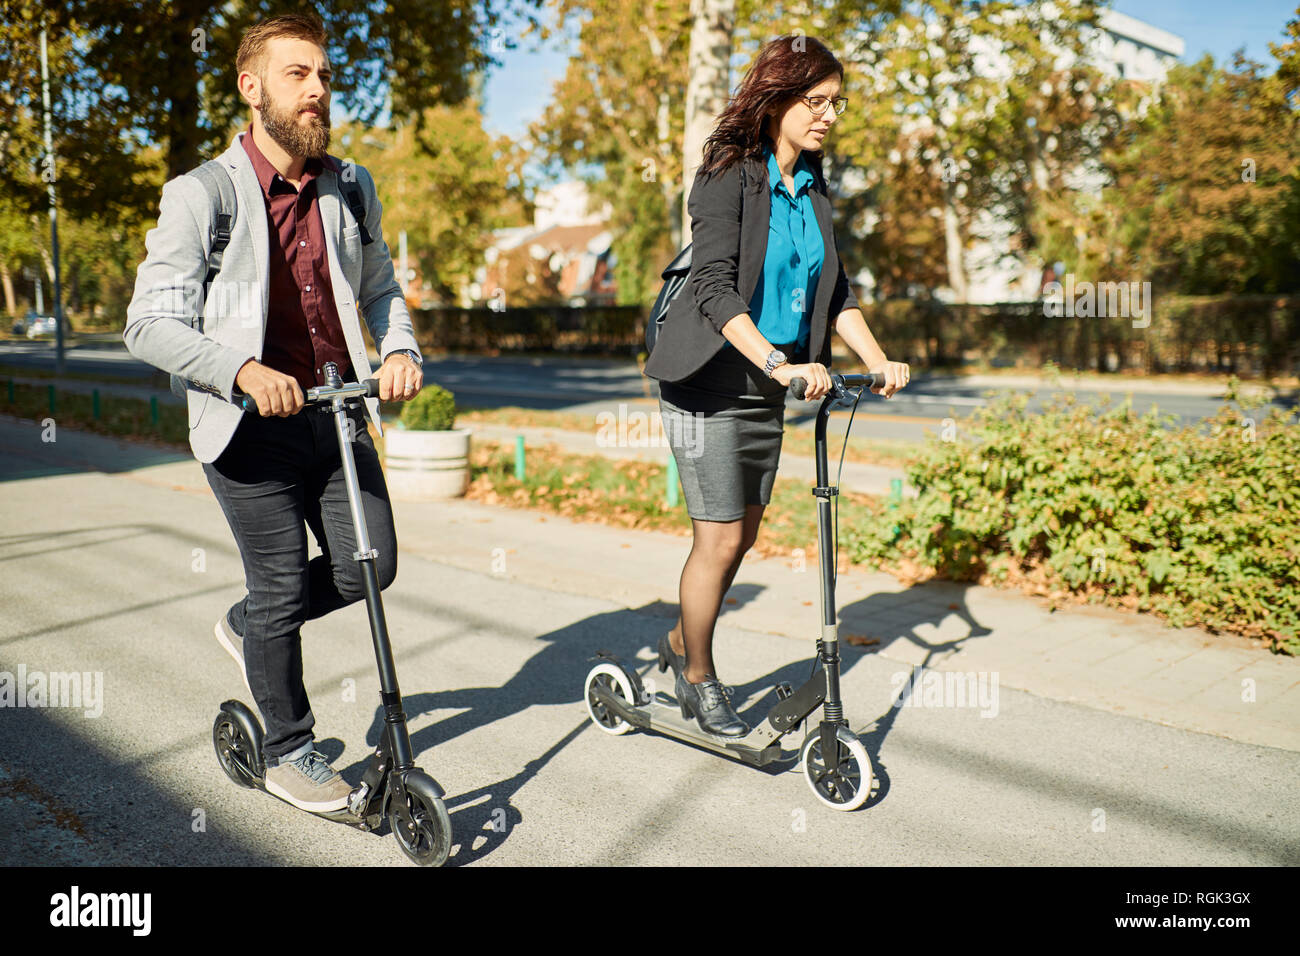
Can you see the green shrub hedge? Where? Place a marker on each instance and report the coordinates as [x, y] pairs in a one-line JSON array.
[[1199, 524]]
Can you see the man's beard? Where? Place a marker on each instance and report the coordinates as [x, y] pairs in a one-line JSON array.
[[281, 124]]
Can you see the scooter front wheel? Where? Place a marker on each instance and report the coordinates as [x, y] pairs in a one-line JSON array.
[[427, 839], [611, 678], [236, 753], [844, 781]]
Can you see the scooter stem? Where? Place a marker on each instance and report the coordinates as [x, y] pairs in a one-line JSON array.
[[828, 643], [389, 693]]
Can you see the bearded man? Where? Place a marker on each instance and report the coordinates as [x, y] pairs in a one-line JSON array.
[[299, 269]]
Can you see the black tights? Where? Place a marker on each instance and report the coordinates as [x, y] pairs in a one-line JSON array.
[[716, 552]]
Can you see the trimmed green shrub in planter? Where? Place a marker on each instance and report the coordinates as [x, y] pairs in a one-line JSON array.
[[428, 457], [433, 410]]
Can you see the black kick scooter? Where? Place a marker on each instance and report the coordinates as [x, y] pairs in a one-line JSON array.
[[392, 786], [834, 762]]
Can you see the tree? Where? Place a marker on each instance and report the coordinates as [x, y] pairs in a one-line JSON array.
[[164, 72], [965, 72], [1208, 183], [615, 115], [444, 181], [17, 250], [708, 84], [101, 166]]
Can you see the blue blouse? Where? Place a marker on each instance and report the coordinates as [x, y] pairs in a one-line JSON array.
[[783, 298]]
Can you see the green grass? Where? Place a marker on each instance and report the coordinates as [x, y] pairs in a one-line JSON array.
[[797, 441], [120, 417], [630, 493]]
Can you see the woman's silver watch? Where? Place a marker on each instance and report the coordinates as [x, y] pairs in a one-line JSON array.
[[774, 358]]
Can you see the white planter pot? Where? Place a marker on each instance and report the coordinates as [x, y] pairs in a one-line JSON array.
[[423, 466]]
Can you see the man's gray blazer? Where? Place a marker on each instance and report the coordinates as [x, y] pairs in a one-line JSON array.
[[729, 235], [169, 291]]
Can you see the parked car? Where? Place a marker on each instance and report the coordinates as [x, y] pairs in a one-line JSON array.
[[39, 325]]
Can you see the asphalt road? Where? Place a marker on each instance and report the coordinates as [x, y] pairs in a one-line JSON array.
[[117, 562], [590, 386]]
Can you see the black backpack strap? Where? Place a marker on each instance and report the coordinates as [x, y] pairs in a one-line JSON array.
[[221, 195], [221, 190], [357, 203]]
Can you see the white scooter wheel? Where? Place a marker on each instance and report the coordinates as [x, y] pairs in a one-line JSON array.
[[844, 782], [612, 678]]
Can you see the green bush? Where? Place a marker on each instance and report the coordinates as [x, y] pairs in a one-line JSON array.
[[1200, 524], [433, 410]]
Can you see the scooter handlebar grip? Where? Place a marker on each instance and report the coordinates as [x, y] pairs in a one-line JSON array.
[[372, 387], [244, 401], [797, 387]]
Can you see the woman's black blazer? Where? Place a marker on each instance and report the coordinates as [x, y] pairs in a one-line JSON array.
[[729, 236]]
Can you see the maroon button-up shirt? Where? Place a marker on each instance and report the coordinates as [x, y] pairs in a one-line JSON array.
[[303, 331]]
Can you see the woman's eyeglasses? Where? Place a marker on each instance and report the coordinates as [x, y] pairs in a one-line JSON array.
[[818, 104]]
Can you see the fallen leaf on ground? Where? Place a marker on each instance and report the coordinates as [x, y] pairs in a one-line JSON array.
[[859, 641]]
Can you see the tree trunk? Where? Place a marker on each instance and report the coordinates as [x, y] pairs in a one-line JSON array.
[[11, 307], [663, 140], [953, 245], [708, 85]]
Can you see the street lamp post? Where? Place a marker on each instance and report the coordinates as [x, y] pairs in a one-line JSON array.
[[48, 175]]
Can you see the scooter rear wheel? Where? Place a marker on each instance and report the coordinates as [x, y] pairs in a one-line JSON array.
[[844, 782], [428, 841], [611, 678]]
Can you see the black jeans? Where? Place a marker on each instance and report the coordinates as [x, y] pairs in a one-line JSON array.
[[276, 478]]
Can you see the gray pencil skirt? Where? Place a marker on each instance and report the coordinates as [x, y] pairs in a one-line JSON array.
[[724, 425]]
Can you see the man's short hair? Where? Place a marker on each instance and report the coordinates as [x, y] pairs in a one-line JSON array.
[[252, 48]]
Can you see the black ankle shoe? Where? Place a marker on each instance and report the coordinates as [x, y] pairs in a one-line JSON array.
[[709, 704], [668, 656]]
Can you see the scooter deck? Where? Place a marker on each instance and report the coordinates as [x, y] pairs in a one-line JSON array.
[[755, 748], [760, 747]]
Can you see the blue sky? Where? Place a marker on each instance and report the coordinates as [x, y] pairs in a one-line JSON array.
[[519, 90]]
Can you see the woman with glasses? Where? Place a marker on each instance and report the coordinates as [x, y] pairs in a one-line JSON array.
[[766, 289]]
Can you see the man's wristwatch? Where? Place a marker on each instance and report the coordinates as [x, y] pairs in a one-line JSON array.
[[774, 358], [413, 355]]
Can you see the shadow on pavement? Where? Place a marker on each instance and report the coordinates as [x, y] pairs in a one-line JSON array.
[[484, 818], [97, 809]]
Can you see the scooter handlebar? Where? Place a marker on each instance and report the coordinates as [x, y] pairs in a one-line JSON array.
[[318, 395], [840, 382]]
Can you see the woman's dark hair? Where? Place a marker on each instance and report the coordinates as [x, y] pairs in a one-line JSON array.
[[785, 68]]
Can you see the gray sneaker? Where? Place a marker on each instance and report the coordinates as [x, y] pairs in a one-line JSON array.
[[309, 783], [234, 645]]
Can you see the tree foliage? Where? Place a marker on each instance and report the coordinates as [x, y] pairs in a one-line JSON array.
[[164, 72], [616, 117], [447, 183], [1206, 187]]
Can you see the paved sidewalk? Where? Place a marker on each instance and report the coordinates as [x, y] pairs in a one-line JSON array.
[[1130, 664], [1116, 661]]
